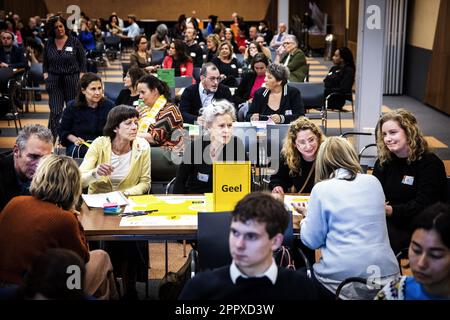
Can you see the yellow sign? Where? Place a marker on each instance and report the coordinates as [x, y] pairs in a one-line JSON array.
[[231, 182]]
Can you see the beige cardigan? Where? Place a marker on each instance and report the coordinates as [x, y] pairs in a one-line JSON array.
[[136, 182]]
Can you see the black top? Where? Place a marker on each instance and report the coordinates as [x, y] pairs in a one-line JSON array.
[[10, 185], [196, 53], [409, 197], [210, 55], [14, 58], [291, 105], [228, 69], [191, 103], [339, 80], [70, 60], [126, 98], [242, 92], [195, 173], [286, 181], [217, 285], [84, 122]]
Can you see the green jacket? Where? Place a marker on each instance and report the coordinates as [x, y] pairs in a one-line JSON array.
[[137, 181], [297, 66]]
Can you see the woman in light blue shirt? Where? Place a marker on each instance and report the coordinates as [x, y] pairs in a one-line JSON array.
[[346, 220]]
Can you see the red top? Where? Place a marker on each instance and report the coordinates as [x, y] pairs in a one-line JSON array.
[[186, 69], [259, 80]]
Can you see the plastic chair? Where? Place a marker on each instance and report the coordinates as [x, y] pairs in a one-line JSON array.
[[183, 82], [9, 94], [336, 101], [240, 58], [367, 293], [163, 170], [196, 73], [31, 81], [113, 46], [112, 89], [125, 67], [157, 56]]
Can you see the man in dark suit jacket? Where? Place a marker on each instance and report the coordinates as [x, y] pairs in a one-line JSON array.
[[257, 226], [194, 50], [10, 55], [201, 94], [18, 168]]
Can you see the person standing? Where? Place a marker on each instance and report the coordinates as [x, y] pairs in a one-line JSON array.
[[64, 64]]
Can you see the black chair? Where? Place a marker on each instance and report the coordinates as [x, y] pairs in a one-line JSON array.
[[313, 98], [31, 81], [157, 56], [336, 102], [367, 161], [248, 135], [9, 97], [183, 82], [163, 170], [112, 89], [112, 45], [367, 290]]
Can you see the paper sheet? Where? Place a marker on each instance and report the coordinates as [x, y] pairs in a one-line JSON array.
[[289, 199], [160, 221], [98, 200]]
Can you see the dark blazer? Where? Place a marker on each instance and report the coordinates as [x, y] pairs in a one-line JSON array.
[[291, 105], [245, 87], [17, 58], [191, 103], [339, 80], [9, 182]]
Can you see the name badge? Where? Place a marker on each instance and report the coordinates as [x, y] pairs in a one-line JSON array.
[[183, 70], [408, 180], [288, 113], [149, 59], [233, 66], [69, 49], [202, 177], [193, 54]]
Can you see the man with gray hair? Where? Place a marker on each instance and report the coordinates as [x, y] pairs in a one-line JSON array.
[[201, 94], [17, 169]]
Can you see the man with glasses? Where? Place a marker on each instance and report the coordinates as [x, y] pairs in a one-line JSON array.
[[18, 168], [11, 56], [201, 94]]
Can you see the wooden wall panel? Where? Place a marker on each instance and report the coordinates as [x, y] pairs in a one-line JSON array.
[[438, 83], [26, 8], [166, 10]]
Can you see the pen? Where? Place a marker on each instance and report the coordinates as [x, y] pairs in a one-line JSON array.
[[139, 213], [107, 200]]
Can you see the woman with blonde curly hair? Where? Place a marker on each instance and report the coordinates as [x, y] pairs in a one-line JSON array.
[[296, 172], [411, 175]]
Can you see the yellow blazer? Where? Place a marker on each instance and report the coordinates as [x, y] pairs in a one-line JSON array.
[[135, 183]]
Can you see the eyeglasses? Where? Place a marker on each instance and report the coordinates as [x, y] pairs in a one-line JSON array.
[[213, 79], [287, 43], [6, 38]]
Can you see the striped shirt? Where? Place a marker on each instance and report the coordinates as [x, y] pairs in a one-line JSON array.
[[70, 60]]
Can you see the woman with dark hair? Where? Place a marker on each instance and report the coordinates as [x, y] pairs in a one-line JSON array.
[[227, 64], [429, 259], [277, 102], [64, 64], [252, 80], [253, 49], [84, 118], [229, 36], [141, 57], [113, 25], [179, 60], [340, 79], [159, 118], [412, 176], [129, 95]]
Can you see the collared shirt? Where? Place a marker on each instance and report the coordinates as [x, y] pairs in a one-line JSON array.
[[287, 60], [205, 97], [271, 273]]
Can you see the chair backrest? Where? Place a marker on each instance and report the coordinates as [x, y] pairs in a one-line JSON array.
[[307, 73], [6, 74], [183, 82], [163, 169], [213, 239], [125, 67], [247, 134], [112, 89], [36, 73], [238, 80], [312, 93], [240, 59], [157, 56], [275, 138], [196, 73], [242, 112], [112, 41]]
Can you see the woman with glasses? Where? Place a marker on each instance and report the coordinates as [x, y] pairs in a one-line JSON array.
[[227, 64], [179, 60], [141, 57], [84, 118], [195, 173], [297, 159], [294, 59], [277, 102], [129, 95]]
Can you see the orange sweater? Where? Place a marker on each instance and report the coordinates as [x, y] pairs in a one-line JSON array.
[[28, 228]]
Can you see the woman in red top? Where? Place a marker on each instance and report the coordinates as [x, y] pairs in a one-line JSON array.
[[179, 60]]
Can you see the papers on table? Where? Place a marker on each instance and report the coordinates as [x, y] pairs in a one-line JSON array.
[[289, 199], [98, 200], [159, 221]]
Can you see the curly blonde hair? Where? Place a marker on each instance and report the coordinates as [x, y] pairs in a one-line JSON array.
[[417, 145], [290, 152]]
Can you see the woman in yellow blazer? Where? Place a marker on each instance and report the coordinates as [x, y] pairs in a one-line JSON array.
[[119, 160]]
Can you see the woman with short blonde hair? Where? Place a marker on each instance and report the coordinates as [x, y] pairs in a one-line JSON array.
[[412, 177], [345, 219]]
